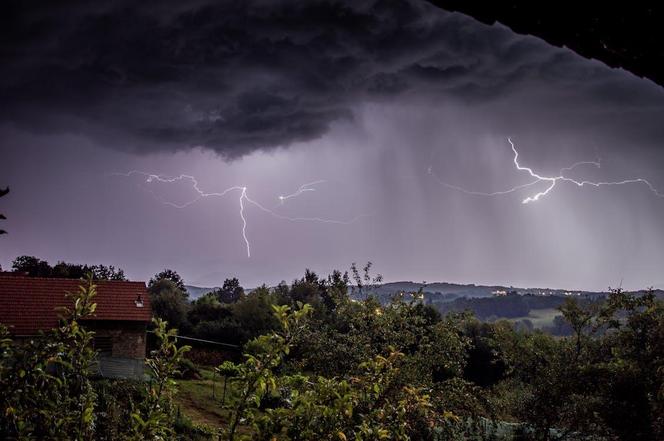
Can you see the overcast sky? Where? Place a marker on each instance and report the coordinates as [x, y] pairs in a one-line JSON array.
[[381, 100]]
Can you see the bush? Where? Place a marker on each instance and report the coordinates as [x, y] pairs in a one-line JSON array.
[[187, 370], [185, 429], [46, 390], [115, 400]]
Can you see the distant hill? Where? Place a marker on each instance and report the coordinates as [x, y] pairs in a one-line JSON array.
[[440, 292], [447, 290], [198, 291], [444, 292], [527, 308]]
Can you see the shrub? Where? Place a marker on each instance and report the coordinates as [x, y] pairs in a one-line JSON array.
[[187, 370]]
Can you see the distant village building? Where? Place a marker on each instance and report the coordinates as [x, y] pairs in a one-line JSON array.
[[29, 305]]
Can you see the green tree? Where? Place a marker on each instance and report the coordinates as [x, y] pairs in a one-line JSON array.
[[46, 391], [254, 313], [308, 289], [169, 302], [335, 291], [45, 384], [376, 401], [230, 292], [605, 380], [169, 274], [256, 374], [154, 417], [227, 370], [208, 308]]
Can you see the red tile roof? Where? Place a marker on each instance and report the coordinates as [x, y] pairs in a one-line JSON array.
[[28, 304]]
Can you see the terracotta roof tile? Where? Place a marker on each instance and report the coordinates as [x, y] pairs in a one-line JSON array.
[[29, 304]]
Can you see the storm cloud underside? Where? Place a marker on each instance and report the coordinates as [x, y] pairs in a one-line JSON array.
[[391, 87]]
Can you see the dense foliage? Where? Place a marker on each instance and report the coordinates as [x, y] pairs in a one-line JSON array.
[[47, 389], [318, 364], [169, 275], [605, 381], [36, 267]]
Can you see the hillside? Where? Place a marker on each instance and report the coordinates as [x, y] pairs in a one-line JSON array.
[[198, 291], [443, 291], [437, 292]]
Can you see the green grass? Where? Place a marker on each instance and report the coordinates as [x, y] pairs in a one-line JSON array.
[[196, 400]]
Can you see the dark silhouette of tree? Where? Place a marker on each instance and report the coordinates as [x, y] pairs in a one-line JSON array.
[[307, 289], [230, 292], [2, 216], [171, 275], [35, 267], [483, 366], [254, 313], [169, 303], [102, 272], [335, 291], [208, 308], [365, 284], [77, 271], [32, 266]]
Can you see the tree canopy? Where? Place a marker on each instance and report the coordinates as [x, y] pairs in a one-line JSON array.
[[35, 267], [171, 275], [318, 363]]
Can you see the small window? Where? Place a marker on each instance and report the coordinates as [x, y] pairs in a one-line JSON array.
[[103, 345]]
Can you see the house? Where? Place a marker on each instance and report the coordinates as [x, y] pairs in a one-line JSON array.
[[29, 305]]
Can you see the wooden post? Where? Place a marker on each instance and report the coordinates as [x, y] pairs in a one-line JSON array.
[[223, 399], [214, 376]]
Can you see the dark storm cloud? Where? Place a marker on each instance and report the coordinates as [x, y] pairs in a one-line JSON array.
[[240, 76]]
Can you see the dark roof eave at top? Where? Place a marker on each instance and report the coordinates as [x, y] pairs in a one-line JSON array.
[[615, 34]]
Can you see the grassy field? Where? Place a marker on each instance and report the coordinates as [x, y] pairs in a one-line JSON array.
[[196, 400], [540, 318]]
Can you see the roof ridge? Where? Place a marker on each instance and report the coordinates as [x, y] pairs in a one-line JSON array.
[[29, 303], [23, 277]]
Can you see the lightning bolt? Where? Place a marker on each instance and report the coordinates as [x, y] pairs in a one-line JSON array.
[[302, 189], [477, 193], [561, 177], [243, 195], [200, 194], [597, 164], [551, 180], [306, 219]]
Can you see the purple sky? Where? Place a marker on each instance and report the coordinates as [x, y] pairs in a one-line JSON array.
[[368, 96]]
